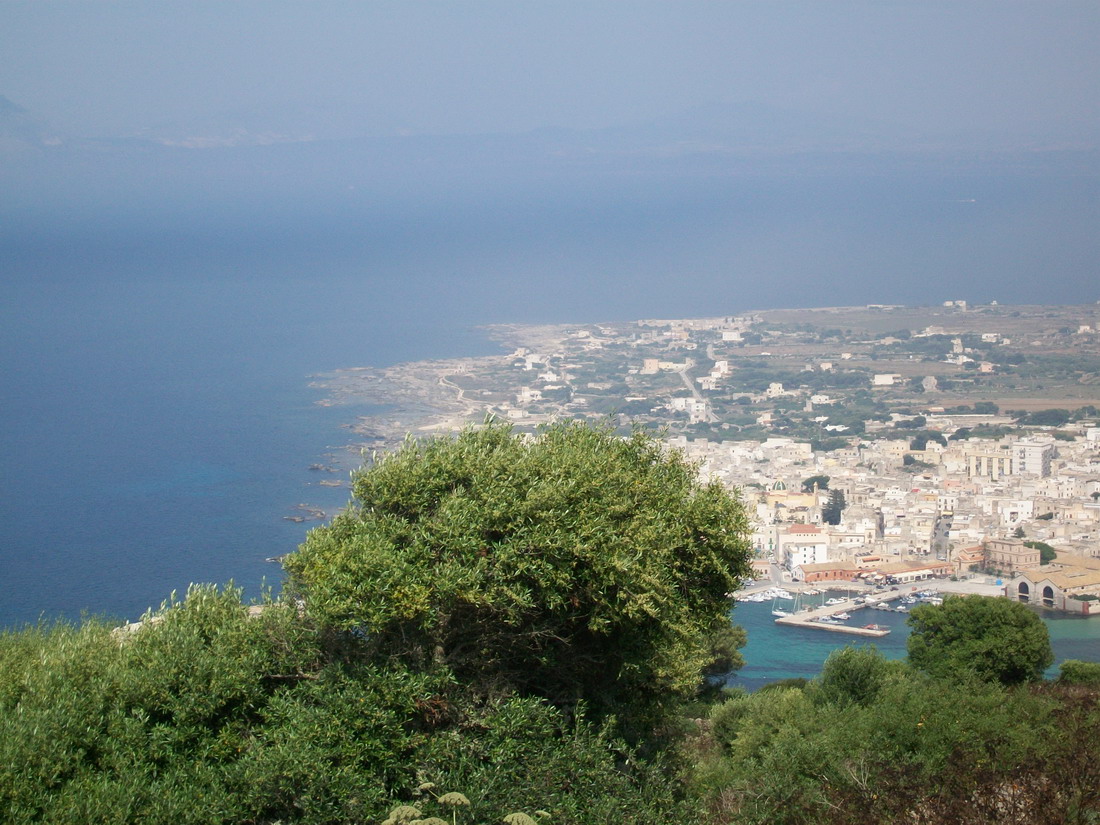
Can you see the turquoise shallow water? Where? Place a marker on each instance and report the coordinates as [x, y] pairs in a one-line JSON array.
[[778, 652]]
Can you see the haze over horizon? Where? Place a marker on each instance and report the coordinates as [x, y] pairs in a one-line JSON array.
[[781, 142], [1004, 72]]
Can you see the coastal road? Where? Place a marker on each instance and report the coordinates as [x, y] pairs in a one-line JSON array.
[[686, 378], [468, 405]]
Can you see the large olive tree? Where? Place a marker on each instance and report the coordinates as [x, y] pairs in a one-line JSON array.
[[574, 565]]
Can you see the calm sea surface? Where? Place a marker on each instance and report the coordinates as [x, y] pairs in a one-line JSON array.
[[778, 652], [156, 419]]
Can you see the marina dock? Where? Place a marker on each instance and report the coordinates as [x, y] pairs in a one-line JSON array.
[[812, 618], [816, 618], [806, 619]]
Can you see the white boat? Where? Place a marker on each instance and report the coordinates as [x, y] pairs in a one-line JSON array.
[[901, 609], [835, 600], [776, 609], [842, 616]]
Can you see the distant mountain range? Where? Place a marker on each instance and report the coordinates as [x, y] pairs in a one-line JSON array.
[[20, 129], [256, 152]]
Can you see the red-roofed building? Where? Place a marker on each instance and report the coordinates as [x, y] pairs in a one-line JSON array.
[[803, 544], [967, 556]]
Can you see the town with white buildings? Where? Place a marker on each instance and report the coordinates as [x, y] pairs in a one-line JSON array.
[[962, 514], [877, 444]]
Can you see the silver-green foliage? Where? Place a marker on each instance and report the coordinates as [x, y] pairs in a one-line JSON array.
[[211, 714], [521, 754]]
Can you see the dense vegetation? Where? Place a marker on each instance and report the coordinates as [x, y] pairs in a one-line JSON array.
[[514, 619], [873, 741], [211, 715], [991, 639], [502, 627], [966, 731]]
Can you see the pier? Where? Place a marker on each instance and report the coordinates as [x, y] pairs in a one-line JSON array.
[[811, 617]]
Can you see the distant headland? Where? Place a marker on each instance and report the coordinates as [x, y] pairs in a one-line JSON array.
[[825, 375]]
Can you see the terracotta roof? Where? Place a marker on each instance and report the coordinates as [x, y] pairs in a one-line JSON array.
[[803, 528], [1071, 578], [1070, 560], [970, 554]]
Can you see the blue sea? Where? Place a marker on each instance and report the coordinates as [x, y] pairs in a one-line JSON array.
[[156, 418], [775, 652]]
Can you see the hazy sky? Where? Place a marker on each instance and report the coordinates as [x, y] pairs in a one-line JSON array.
[[958, 65]]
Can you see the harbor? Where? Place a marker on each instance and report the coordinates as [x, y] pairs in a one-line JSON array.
[[778, 651], [820, 610]]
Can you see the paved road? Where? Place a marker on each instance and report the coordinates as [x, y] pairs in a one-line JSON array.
[[711, 417]]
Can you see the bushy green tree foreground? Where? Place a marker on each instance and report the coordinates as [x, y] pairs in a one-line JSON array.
[[577, 566], [515, 624], [991, 639]]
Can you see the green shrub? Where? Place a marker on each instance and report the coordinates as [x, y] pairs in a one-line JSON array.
[[1076, 672]]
